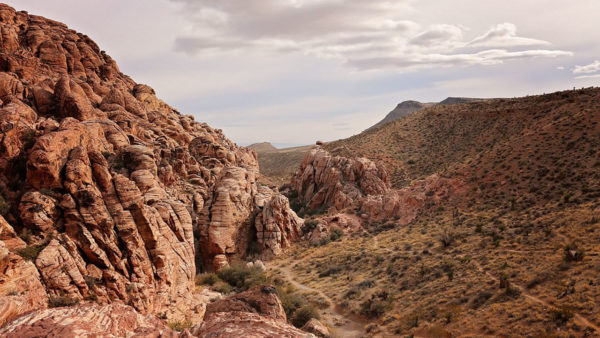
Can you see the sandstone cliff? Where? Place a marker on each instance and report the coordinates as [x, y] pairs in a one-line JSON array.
[[341, 184], [114, 195]]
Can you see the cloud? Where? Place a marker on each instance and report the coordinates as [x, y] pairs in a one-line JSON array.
[[504, 35], [594, 76], [587, 69], [362, 34]]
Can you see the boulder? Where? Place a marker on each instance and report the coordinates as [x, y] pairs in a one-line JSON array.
[[317, 328], [89, 320]]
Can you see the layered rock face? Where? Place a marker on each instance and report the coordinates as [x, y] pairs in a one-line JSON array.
[[255, 313], [21, 290], [90, 320], [335, 181], [121, 196], [359, 184]]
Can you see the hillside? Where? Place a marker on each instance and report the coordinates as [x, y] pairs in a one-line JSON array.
[[493, 227], [277, 165], [402, 109]]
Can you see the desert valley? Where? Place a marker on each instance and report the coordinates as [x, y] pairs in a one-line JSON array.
[[122, 217]]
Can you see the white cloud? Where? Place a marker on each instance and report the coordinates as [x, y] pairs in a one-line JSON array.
[[594, 76], [504, 35], [587, 69], [371, 34]]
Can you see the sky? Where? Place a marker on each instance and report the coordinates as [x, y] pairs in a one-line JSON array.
[[291, 72]]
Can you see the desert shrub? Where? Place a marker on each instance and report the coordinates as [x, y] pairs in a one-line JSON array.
[[242, 277], [180, 325], [4, 206], [446, 238], [330, 270], [117, 163], [28, 138], [30, 252], [207, 279], [92, 281], [562, 315], [480, 299], [366, 284], [573, 253], [25, 235], [335, 234], [290, 302], [353, 293], [222, 287], [253, 249], [316, 211], [61, 301], [449, 267], [309, 225], [376, 306], [303, 315]]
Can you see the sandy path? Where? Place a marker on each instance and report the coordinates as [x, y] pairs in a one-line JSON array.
[[332, 316]]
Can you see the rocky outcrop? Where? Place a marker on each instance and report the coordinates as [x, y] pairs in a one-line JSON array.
[[317, 328], [90, 320], [241, 213], [21, 290], [255, 313], [334, 181], [276, 224], [122, 197], [360, 185]]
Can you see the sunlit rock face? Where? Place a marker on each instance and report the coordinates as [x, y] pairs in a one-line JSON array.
[[123, 198]]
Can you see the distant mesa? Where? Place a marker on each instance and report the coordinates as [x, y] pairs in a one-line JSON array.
[[262, 147], [457, 100], [408, 107]]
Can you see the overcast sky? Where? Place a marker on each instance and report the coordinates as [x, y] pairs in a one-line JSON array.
[[294, 71]]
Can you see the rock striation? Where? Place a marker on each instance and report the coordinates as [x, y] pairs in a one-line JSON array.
[[90, 320], [341, 184], [119, 196], [254, 313]]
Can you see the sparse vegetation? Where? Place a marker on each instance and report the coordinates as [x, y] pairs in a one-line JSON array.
[[62, 301], [181, 325], [303, 315], [4, 206]]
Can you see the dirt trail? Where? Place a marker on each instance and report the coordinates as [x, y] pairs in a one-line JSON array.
[[578, 317], [332, 316]]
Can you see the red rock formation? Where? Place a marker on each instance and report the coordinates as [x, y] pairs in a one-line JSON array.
[[90, 320], [20, 288], [339, 183], [335, 181], [119, 190], [255, 313]]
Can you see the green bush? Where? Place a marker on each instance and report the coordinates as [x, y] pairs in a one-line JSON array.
[[291, 302], [4, 206], [303, 315], [562, 315], [376, 306], [207, 279], [62, 301], [335, 234], [222, 287], [309, 225], [31, 252], [242, 277], [180, 325]]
